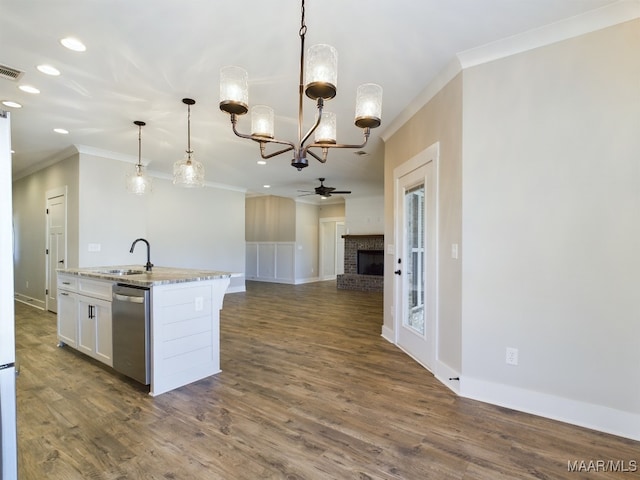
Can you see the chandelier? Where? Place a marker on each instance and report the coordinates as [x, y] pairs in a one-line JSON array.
[[188, 172], [137, 181], [318, 80]]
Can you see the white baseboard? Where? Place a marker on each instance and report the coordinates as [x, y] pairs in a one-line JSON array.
[[387, 334], [448, 376], [34, 302], [595, 417], [236, 289], [307, 280]]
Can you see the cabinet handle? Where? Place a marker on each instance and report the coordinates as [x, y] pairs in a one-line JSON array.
[[64, 293], [66, 283]]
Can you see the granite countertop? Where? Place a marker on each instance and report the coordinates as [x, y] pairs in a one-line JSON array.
[[158, 275]]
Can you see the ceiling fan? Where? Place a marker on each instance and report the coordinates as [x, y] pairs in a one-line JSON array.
[[324, 191]]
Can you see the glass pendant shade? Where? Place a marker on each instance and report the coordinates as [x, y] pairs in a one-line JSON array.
[[262, 121], [326, 131], [368, 105], [188, 173], [321, 72], [139, 183], [234, 90]]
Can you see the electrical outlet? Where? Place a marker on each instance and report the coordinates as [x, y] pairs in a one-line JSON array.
[[512, 356]]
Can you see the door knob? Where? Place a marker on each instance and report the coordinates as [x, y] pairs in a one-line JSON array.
[[398, 272]]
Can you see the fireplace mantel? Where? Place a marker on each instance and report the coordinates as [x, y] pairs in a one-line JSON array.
[[372, 235]]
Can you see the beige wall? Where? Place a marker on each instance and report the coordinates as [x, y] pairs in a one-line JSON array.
[[438, 121], [551, 232], [332, 210], [270, 219], [538, 180]]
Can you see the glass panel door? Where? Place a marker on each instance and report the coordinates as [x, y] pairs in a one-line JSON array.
[[414, 267]]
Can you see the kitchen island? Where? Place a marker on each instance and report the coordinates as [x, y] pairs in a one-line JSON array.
[[183, 325]]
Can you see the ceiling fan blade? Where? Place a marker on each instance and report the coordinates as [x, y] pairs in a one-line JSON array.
[[342, 191]]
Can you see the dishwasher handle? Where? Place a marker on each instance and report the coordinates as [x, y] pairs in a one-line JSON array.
[[127, 298]]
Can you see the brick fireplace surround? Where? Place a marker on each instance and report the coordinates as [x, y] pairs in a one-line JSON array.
[[351, 280]]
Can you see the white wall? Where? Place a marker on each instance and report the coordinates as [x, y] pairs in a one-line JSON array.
[[182, 225], [189, 228], [551, 256], [364, 215]]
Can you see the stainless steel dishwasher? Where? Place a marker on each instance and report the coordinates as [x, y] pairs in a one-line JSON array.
[[130, 320]]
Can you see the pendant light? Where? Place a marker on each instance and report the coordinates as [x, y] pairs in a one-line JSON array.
[[137, 181], [188, 172]]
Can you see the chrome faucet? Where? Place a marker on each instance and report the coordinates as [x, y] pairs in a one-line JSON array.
[[149, 265]]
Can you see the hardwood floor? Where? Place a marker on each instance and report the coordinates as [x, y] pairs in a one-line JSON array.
[[309, 390]]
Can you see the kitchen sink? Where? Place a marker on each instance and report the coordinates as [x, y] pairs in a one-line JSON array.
[[118, 271]]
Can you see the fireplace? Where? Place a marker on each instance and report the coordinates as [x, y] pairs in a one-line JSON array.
[[363, 263], [370, 262]]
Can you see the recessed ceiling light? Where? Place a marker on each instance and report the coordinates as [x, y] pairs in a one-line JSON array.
[[262, 162], [61, 130], [28, 89], [48, 70], [73, 44], [11, 103], [267, 186]]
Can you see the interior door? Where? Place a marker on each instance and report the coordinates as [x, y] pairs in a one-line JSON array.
[[415, 284], [56, 245]]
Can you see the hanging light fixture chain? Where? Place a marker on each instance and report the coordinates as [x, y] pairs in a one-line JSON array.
[[303, 27]]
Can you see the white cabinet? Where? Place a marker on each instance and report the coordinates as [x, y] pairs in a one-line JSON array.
[[67, 318], [94, 328], [84, 316]]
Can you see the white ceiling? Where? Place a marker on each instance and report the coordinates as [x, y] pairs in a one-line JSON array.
[[144, 56]]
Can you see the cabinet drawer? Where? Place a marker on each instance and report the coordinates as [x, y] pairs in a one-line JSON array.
[[95, 288], [67, 283]]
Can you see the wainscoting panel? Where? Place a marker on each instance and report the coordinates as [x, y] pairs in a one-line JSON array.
[[271, 261]]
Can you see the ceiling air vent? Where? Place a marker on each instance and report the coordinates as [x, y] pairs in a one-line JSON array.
[[10, 73]]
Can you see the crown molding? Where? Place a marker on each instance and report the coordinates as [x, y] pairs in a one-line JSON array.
[[591, 21], [445, 75], [607, 16]]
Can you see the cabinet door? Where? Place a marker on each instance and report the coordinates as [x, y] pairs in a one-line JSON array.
[[86, 325], [68, 318], [104, 345]]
